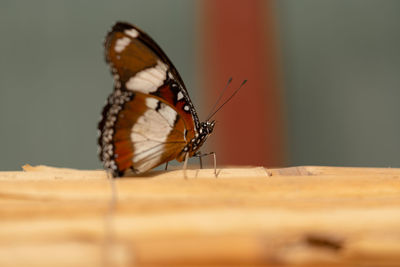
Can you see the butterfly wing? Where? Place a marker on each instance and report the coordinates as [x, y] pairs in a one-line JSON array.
[[139, 132], [138, 64], [149, 118], [129, 50]]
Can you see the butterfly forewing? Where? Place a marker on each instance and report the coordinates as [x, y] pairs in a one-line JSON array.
[[130, 50], [139, 64]]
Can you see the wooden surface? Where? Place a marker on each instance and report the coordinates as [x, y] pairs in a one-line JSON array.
[[300, 216]]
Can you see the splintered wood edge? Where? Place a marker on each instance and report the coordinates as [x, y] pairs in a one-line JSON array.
[[336, 171], [42, 172]]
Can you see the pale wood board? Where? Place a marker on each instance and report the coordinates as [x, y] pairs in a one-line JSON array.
[[299, 216]]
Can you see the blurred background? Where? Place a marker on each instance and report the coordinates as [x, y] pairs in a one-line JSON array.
[[323, 89]]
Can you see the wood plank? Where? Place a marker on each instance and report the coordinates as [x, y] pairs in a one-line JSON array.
[[303, 216]]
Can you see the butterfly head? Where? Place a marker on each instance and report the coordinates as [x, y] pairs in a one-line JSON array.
[[206, 128], [203, 132]]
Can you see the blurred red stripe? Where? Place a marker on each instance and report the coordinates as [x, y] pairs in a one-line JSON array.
[[240, 42]]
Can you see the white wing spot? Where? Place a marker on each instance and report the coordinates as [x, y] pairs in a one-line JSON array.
[[148, 80], [151, 102], [149, 134], [120, 44], [132, 33], [168, 113], [179, 96], [186, 108]]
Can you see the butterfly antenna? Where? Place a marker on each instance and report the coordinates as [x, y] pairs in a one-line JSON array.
[[219, 98], [234, 93]]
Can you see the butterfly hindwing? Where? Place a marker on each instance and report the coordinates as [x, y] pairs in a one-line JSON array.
[[139, 132]]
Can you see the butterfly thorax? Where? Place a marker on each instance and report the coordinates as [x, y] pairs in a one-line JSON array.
[[196, 142]]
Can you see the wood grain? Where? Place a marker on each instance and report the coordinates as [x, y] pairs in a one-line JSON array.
[[299, 216]]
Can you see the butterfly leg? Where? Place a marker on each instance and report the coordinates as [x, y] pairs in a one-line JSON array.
[[201, 161], [185, 165], [200, 155], [166, 166]]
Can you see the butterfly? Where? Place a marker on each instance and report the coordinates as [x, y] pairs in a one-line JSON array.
[[149, 118]]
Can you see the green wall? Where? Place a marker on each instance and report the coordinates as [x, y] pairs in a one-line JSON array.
[[342, 78], [341, 73], [53, 78]]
